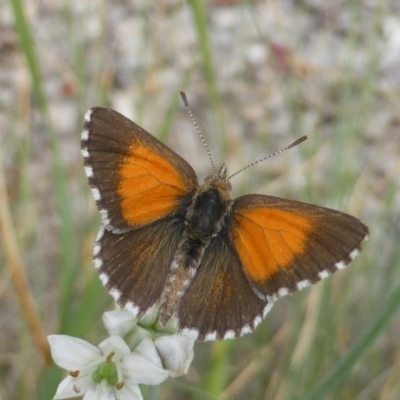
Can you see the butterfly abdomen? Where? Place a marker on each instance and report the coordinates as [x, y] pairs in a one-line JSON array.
[[204, 219]]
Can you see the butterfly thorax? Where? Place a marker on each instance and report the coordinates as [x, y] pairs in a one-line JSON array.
[[211, 204], [209, 207]]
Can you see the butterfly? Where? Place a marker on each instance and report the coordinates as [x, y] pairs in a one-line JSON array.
[[213, 264]]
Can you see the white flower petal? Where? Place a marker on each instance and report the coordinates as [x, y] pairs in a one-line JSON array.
[[176, 352], [144, 365], [115, 344], [100, 393], [147, 350], [139, 370], [118, 322], [130, 392], [73, 387], [72, 353], [150, 316], [171, 326], [138, 334]]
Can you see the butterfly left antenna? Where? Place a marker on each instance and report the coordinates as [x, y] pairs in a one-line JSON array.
[[295, 143], [186, 103]]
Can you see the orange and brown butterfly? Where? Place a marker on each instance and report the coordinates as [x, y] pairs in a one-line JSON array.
[[212, 263]]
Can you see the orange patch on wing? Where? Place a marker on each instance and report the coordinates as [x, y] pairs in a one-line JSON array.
[[270, 239], [149, 185]]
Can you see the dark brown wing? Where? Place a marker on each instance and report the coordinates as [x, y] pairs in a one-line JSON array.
[[135, 179], [134, 265], [286, 245], [220, 303]]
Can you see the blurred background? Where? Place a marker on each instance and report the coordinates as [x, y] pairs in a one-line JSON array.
[[258, 75]]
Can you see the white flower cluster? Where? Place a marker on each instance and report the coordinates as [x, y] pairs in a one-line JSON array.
[[135, 353]]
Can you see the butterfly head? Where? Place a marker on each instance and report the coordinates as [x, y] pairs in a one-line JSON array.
[[219, 180]]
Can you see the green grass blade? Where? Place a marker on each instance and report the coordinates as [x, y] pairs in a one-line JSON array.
[[28, 47], [200, 18], [68, 246], [342, 369]]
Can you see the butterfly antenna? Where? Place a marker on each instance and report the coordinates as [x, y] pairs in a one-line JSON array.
[[186, 103], [295, 143]]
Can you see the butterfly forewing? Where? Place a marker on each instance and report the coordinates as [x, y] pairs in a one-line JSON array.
[[135, 178], [285, 245]]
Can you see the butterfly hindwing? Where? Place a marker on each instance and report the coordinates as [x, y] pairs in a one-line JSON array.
[[134, 265], [135, 178], [220, 303]]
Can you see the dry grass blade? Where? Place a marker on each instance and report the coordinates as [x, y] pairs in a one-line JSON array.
[[14, 262]]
